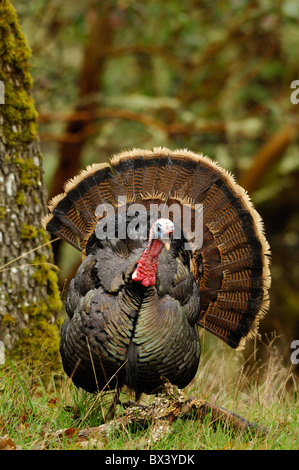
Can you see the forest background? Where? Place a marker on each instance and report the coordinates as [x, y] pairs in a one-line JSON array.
[[216, 77], [213, 77]]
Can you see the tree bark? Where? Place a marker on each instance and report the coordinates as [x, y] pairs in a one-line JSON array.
[[29, 296]]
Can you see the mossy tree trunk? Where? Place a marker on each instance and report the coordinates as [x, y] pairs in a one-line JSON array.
[[29, 296]]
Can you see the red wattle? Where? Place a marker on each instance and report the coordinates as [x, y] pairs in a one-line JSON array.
[[147, 264]]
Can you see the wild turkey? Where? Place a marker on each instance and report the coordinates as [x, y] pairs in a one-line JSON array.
[[141, 292]]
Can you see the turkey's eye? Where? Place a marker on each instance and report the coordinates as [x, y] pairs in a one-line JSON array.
[[158, 230]]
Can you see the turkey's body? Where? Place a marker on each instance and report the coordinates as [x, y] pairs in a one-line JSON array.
[[134, 307], [138, 336]]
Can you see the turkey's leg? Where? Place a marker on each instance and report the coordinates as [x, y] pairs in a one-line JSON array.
[[111, 412]]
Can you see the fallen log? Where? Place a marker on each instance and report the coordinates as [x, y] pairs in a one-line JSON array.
[[160, 415]]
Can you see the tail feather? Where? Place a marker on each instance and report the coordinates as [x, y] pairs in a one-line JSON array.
[[232, 265]]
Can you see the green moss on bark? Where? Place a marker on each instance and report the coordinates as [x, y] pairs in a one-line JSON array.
[[41, 338], [19, 105], [29, 172], [8, 319], [2, 212], [28, 232], [20, 198]]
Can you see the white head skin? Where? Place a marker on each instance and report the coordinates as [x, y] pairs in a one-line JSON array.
[[159, 236], [162, 230]]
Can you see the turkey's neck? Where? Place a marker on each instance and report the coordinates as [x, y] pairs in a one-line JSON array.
[[147, 264]]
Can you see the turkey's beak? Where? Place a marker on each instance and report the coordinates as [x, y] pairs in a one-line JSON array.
[[167, 241]]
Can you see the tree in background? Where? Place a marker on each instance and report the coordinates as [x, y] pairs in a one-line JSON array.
[[29, 296], [213, 77]]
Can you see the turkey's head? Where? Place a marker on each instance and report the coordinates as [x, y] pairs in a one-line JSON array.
[[160, 235]]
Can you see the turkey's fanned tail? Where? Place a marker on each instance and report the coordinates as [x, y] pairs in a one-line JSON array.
[[232, 264]]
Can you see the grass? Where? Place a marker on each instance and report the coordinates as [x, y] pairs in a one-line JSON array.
[[34, 406]]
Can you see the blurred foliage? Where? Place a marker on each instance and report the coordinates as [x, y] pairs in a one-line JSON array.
[[212, 76]]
